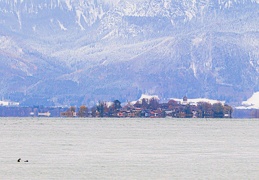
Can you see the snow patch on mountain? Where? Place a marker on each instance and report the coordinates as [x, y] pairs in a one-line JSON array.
[[146, 97], [113, 2], [69, 5], [251, 103], [149, 97], [195, 101], [8, 45], [62, 27]]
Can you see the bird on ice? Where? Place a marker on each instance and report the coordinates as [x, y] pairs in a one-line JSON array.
[[19, 160]]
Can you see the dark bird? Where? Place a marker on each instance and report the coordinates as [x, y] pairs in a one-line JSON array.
[[26, 161], [19, 160]]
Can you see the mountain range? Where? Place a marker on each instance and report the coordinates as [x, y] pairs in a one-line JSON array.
[[65, 52]]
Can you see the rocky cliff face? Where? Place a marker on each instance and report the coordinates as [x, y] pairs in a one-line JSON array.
[[56, 52]]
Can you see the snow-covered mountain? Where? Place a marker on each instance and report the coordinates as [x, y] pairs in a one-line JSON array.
[[80, 51]]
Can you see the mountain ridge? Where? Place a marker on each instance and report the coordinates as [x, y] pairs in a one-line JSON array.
[[107, 50]]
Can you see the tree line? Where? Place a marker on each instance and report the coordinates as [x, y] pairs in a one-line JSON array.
[[152, 108]]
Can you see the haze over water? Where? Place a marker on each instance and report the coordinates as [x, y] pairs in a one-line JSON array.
[[129, 148]]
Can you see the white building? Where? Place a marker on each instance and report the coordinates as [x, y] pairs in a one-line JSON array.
[[44, 114], [9, 103]]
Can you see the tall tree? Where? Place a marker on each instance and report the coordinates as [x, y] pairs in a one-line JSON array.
[[117, 104], [188, 111], [205, 109], [228, 110], [100, 109], [83, 111], [153, 104], [144, 104], [218, 110], [72, 109]]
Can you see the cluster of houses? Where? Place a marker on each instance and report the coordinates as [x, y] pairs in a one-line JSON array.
[[146, 106], [149, 107]]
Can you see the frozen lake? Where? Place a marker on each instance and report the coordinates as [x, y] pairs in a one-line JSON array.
[[129, 148]]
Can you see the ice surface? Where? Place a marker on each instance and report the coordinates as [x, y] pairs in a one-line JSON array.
[[129, 149]]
